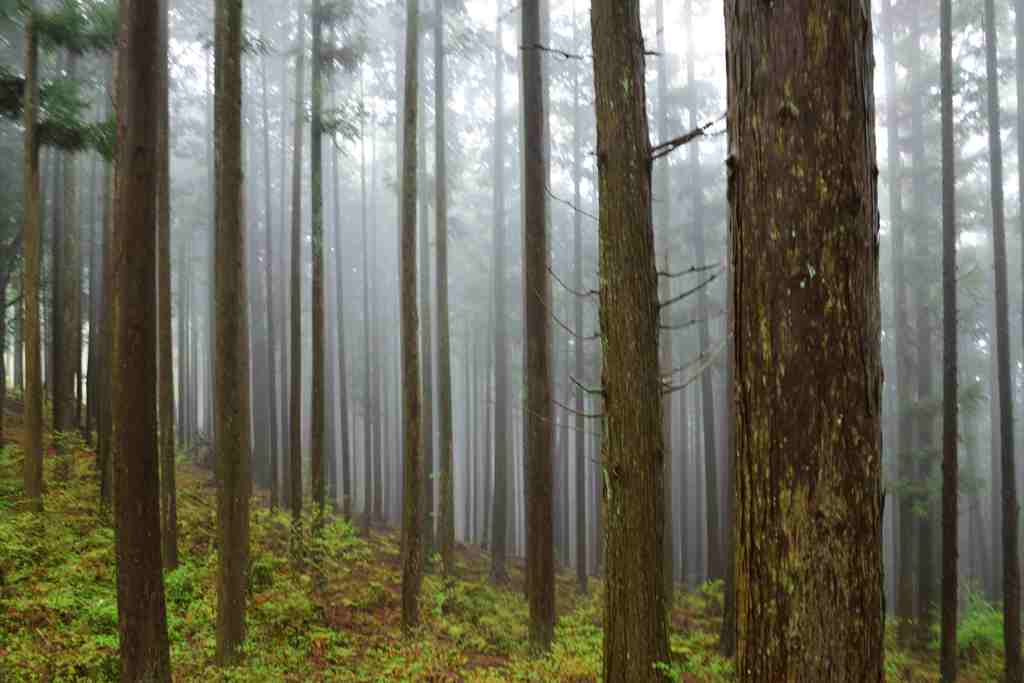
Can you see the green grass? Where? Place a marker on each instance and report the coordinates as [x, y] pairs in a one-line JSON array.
[[58, 606]]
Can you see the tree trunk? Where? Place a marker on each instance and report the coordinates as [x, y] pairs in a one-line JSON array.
[[446, 521], [807, 345], [499, 496], [295, 347], [1011, 560], [633, 453], [950, 412], [412, 547], [426, 337], [231, 361], [144, 650], [268, 279], [579, 438], [33, 472], [168, 495], [317, 233], [540, 561]]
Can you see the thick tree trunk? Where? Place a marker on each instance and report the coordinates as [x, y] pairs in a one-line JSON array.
[[1011, 560], [633, 452], [540, 561], [412, 546], [33, 472], [807, 345], [142, 618], [231, 361], [168, 495]]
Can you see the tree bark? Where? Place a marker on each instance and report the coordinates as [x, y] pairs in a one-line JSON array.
[[633, 452], [317, 234], [807, 342], [412, 547], [950, 411], [142, 618], [540, 561], [33, 472], [579, 438], [231, 361], [446, 521], [168, 496], [268, 278], [1011, 560]]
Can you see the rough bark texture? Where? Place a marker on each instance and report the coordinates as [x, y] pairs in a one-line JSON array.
[[142, 618], [168, 495], [804, 221], [295, 346], [633, 453], [1011, 560], [231, 361], [33, 472], [540, 560], [412, 547], [446, 516], [499, 476]]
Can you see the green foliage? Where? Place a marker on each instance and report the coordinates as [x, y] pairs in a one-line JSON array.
[[78, 26]]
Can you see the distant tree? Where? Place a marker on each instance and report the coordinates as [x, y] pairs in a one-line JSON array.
[[317, 233], [1011, 560], [412, 548], [142, 617], [295, 347], [950, 412], [633, 451], [168, 495], [807, 345], [446, 524]]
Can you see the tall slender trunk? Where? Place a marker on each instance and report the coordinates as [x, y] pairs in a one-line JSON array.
[[342, 362], [538, 416], [950, 412], [144, 650], [412, 547], [168, 495], [446, 517], [295, 347], [633, 453], [1011, 560], [317, 233], [426, 334], [268, 293], [579, 438], [499, 498], [33, 472]]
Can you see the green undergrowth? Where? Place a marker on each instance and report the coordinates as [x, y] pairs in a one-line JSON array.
[[58, 605]]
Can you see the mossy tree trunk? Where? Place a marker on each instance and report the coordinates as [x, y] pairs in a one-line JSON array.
[[144, 649], [807, 341], [633, 452], [317, 233]]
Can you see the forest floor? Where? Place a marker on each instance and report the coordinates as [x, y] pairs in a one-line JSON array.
[[58, 605]]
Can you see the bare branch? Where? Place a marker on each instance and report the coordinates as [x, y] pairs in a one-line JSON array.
[[589, 416], [669, 146], [576, 292], [691, 322], [707, 358], [690, 292], [555, 51], [570, 204], [689, 271], [589, 390]]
